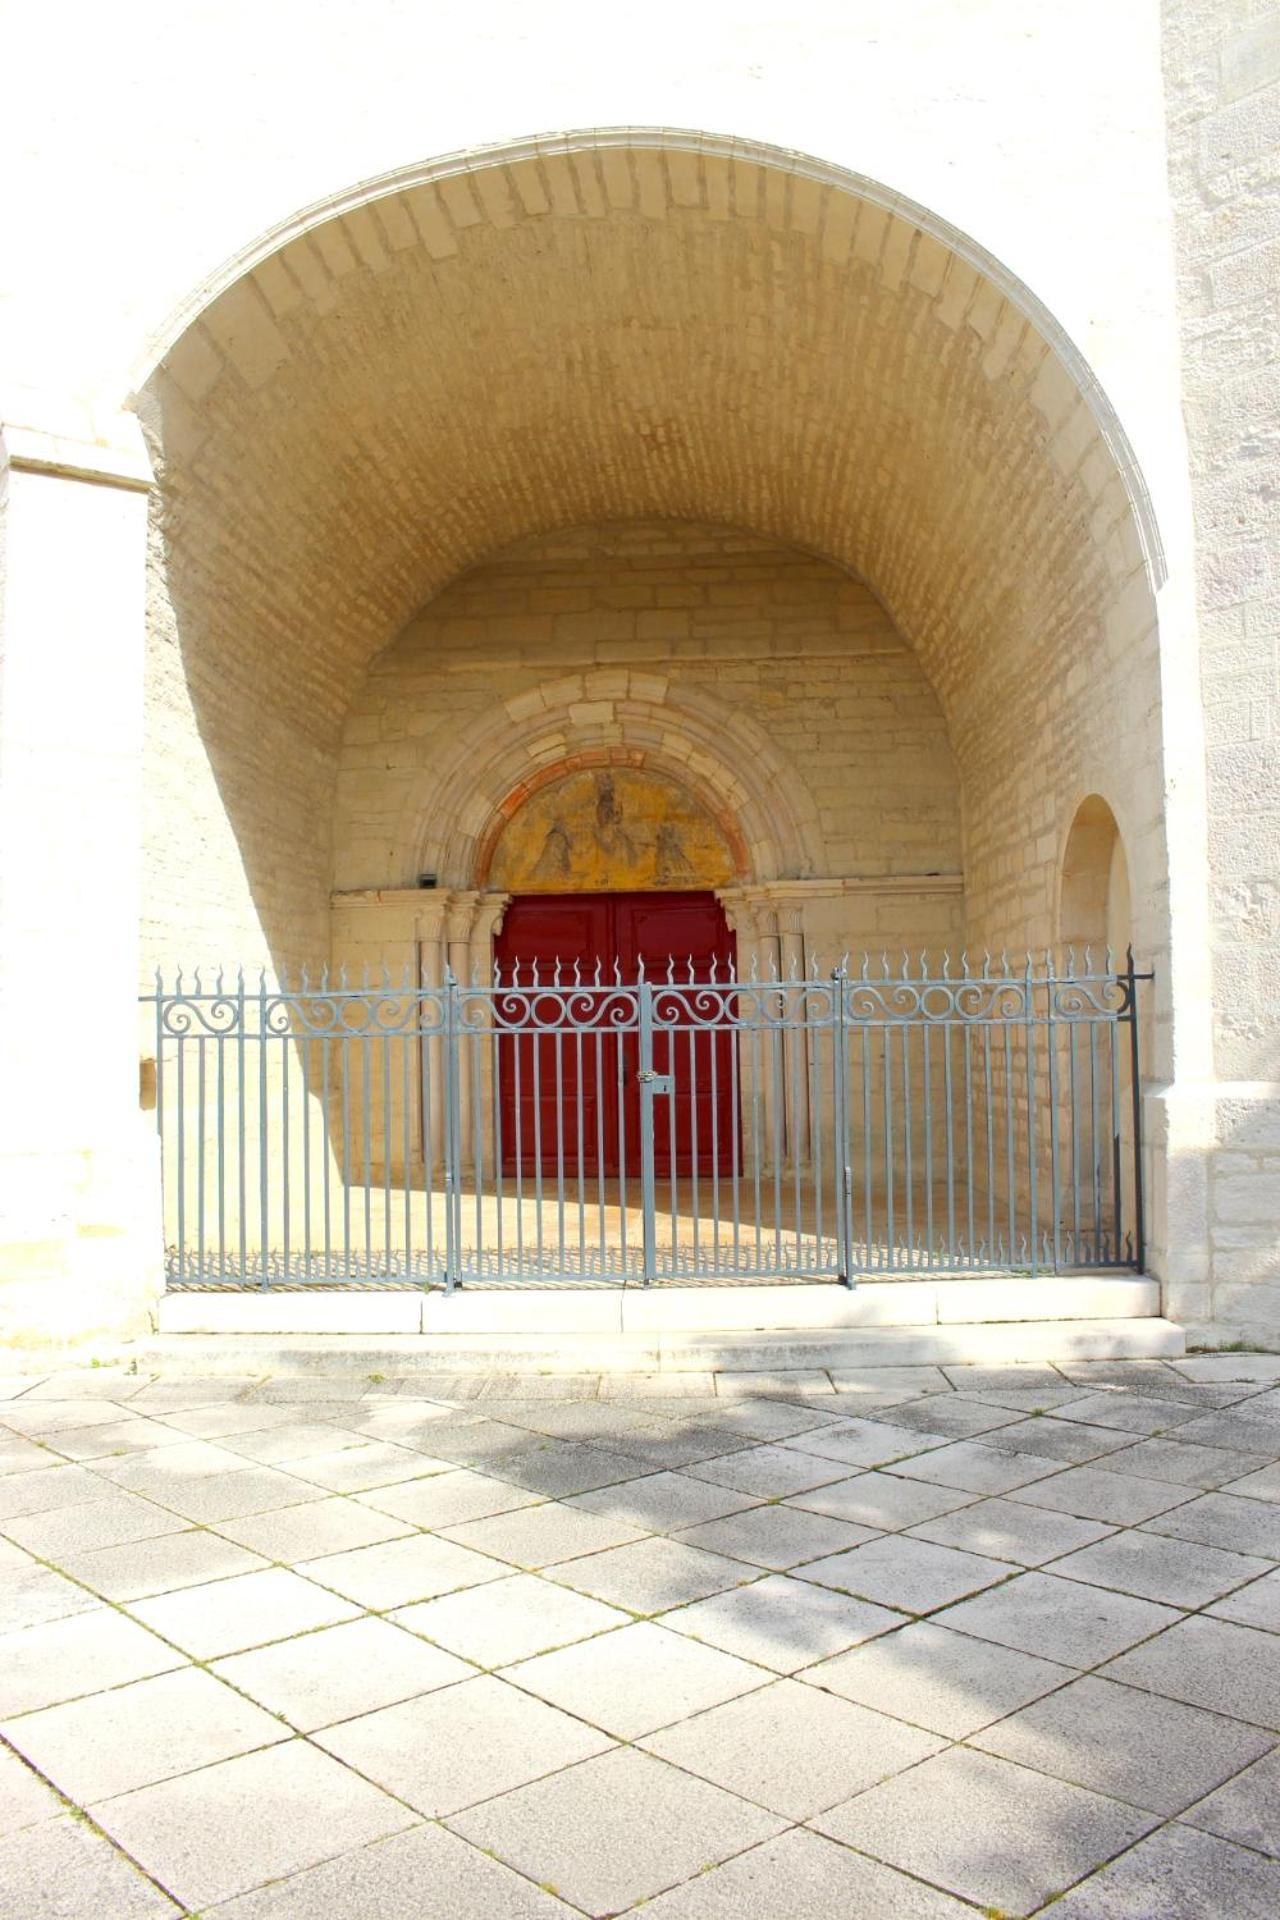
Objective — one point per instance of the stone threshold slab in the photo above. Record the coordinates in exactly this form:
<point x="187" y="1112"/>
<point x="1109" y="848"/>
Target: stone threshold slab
<point x="660" y="1312"/>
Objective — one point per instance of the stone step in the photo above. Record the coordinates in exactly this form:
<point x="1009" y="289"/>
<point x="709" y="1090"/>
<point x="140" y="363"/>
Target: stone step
<point x="724" y="1352"/>
<point x="657" y="1313"/>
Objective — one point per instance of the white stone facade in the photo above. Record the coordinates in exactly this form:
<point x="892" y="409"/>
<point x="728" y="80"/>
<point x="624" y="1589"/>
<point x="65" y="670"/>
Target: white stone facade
<point x="869" y="413"/>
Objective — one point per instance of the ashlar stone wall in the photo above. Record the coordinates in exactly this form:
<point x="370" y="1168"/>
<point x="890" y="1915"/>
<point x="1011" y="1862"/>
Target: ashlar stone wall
<point x="686" y="617"/>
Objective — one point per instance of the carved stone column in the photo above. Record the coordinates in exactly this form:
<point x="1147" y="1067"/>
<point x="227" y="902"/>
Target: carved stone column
<point x="754" y="922"/>
<point x="459" y="923"/>
<point x="797" y="1042"/>
<point x="490" y="908"/>
<point x="431" y="965"/>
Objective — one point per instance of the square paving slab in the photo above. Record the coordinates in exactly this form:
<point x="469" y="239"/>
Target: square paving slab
<point x="508" y="1620"/>
<point x="84" y="1653"/>
<point x="882" y="1500"/>
<point x="662" y="1502"/>
<point x="464" y="1743"/>
<point x="1059" y="1619"/>
<point x="1154" y="1753"/>
<point x="784" y="1750"/>
<point x="539" y="1536"/>
<point x="652" y="1575"/>
<point x="133" y="1735"/>
<point x="937" y="1679"/>
<point x="62" y="1869"/>
<point x="617" y="1830"/>
<point x="1212" y="1664"/>
<point x="800" y="1876"/>
<point x="1120" y="1499"/>
<point x="425" y="1874"/>
<point x="397" y="1572"/>
<point x="1179" y="1874"/>
<point x="1176" y="1571"/>
<point x="1006" y="1530"/>
<point x="913" y="1576"/>
<point x="637" y="1679"/>
<point x="949" y="1822"/>
<point x="319" y="1678"/>
<point x="246" y="1611"/>
<point x="776" y="1536"/>
<point x="231" y="1826"/>
<point x="1257" y="1605"/>
<point x="144" y="1567"/>
<point x="782" y="1623"/>
<point x="1246" y="1809"/>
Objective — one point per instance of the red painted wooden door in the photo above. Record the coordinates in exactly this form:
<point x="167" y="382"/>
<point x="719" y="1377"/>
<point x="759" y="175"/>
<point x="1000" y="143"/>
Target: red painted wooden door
<point x="573" y="1102"/>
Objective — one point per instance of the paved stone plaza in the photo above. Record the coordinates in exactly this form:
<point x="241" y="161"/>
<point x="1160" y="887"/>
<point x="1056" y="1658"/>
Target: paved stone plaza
<point x="908" y="1643"/>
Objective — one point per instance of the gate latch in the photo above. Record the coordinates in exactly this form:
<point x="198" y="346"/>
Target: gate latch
<point x="659" y="1082"/>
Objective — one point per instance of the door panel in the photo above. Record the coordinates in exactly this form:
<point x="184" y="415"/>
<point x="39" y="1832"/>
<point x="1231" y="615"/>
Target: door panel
<point x="549" y="1084"/>
<point x="688" y="935"/>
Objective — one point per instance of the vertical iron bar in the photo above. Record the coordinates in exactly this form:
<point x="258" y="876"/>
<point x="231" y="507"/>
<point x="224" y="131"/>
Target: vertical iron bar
<point x="166" y="1167"/>
<point x="452" y="1143"/>
<point x="386" y="1152"/>
<point x="1011" y="1202"/>
<point x="734" y="1004"/>
<point x="475" y="1035"/>
<point x="867" y="1033"/>
<point x="1055" y="1149"/>
<point x="991" y="1140"/>
<point x="648" y="1187"/>
<point x="927" y="1096"/>
<point x="1074" y="1092"/>
<point x="782" y="1140"/>
<point x="263" y="1165"/>
<point x="408" y="1013"/>
<point x="695" y="1195"/>
<point x="908" y="1169"/>
<point x="1033" y="1197"/>
<point x="967" y="1031"/>
<point x="200" y="1153"/>
<point x="306" y="1151"/>
<point x="346" y="1043"/>
<point x="558" y="1042"/>
<point x="499" y="1145"/>
<point x="949" y="1099"/>
<point x="1117" y="1156"/>
<point x="222" y="1143"/>
<point x="840" y="1152"/>
<point x="890" y="1224"/>
<point x="182" y="1154"/>
<point x="1139" y="1209"/>
<point x="1095" y="1138"/>
<point x="286" y="1008"/>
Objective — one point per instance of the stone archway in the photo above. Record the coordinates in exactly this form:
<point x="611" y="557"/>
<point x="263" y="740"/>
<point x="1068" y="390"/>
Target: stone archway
<point x="608" y="330"/>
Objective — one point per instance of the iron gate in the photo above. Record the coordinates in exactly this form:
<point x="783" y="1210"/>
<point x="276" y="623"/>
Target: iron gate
<point x="762" y="1129"/>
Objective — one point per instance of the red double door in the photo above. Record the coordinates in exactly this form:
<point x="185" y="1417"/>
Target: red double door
<point x="572" y="1100"/>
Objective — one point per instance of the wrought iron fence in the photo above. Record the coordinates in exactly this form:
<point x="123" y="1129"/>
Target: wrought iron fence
<point x="552" y="1128"/>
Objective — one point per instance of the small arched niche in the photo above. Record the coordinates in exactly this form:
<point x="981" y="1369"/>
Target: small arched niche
<point x="1094" y="907"/>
